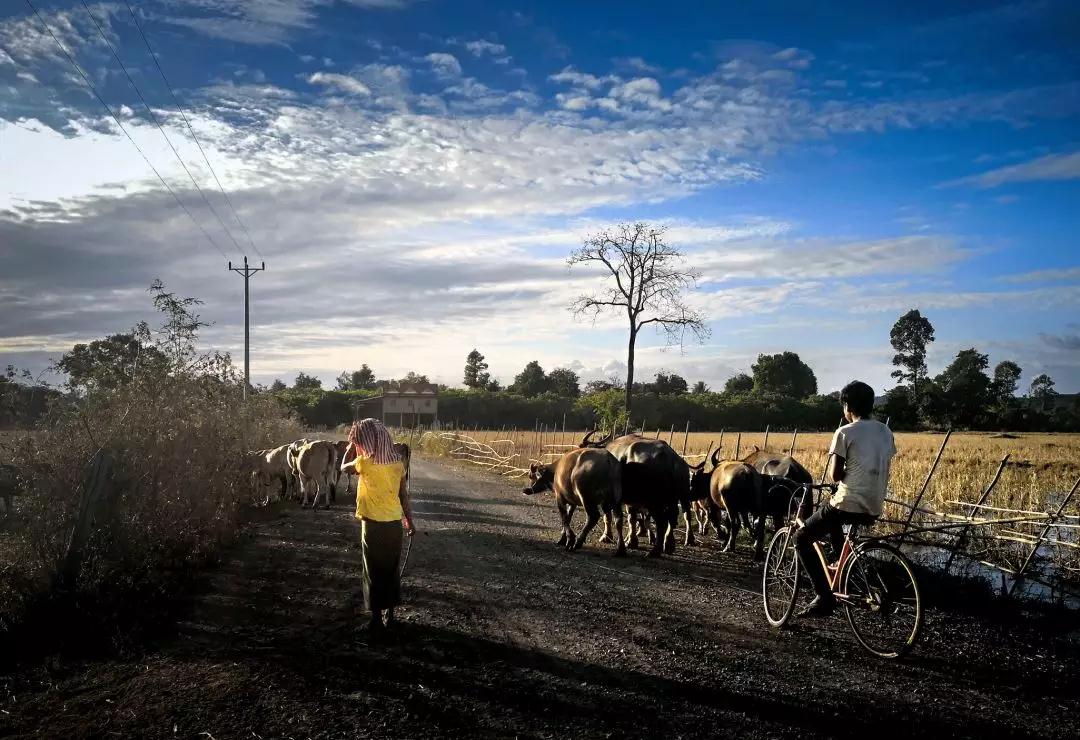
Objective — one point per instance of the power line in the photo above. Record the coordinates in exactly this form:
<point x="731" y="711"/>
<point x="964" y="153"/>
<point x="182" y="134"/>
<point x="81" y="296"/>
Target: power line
<point x="161" y="128"/>
<point x="109" y="110"/>
<point x="180" y="110"/>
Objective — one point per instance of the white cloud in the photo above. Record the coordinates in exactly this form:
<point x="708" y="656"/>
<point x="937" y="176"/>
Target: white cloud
<point x="444" y="64"/>
<point x="480" y="48"/>
<point x="344" y="83"/>
<point x="1063" y="274"/>
<point x="1050" y="167"/>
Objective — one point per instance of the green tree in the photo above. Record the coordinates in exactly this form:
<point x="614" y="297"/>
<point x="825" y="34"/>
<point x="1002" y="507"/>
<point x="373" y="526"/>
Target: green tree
<point x="784" y="374"/>
<point x="180" y="331"/>
<point x="358" y="380"/>
<point x="1042" y="389"/>
<point x="741" y="383"/>
<point x="699" y="389"/>
<point x="111" y="362"/>
<point x="563" y="382"/>
<point x="899" y="408"/>
<point x="599" y="386"/>
<point x="305" y="382"/>
<point x="532" y="381"/>
<point x="1003" y="386"/>
<point x="960" y="395"/>
<point x="493" y="386"/>
<point x="909" y="337"/>
<point x="476" y="375"/>
<point x="646" y="279"/>
<point x="666" y="384"/>
<point x="277" y="386"/>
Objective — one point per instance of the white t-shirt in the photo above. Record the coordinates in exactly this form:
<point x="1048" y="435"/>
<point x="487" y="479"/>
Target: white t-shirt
<point x="867" y="448"/>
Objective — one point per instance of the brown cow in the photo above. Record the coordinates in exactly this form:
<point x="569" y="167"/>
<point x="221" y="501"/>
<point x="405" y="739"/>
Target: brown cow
<point x="590" y="478"/>
<point x="314" y="463"/>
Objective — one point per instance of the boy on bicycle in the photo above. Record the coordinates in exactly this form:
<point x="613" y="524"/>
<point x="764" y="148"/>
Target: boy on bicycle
<point x="859" y="459"/>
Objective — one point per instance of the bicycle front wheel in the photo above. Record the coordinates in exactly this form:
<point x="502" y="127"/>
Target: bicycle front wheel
<point x="882" y="600"/>
<point x="780" y="581"/>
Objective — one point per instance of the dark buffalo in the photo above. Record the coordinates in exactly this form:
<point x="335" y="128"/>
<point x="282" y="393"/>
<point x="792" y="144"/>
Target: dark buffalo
<point x="590" y="478"/>
<point x="735" y="489"/>
<point x="656" y="478"/>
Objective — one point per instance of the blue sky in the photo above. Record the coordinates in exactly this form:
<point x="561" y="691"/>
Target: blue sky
<point x="415" y="174"/>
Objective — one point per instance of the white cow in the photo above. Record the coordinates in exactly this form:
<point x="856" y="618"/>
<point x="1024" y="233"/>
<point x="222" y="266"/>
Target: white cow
<point x="315" y="463"/>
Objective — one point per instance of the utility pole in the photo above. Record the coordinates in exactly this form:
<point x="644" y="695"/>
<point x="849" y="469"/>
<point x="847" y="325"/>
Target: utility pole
<point x="247" y="272"/>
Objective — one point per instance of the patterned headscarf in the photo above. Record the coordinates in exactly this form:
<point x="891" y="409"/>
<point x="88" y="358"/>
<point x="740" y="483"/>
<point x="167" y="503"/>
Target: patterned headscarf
<point x="372" y="440"/>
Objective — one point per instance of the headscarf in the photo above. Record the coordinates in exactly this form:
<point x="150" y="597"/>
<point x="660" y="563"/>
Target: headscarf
<point x="372" y="440"/>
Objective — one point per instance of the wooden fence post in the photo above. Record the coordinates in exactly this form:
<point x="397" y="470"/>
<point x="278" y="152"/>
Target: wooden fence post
<point x="686" y="437"/>
<point x="922" y="491"/>
<point x="93" y="488"/>
<point x="791" y="447"/>
<point x="657" y="432"/>
<point x="765" y="444"/>
<point x="982" y="499"/>
<point x="1019" y="575"/>
<point x="671" y="436"/>
<point x="738" y="445"/>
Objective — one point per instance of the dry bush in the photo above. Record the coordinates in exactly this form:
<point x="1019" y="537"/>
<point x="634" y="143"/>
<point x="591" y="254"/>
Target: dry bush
<point x="174" y="436"/>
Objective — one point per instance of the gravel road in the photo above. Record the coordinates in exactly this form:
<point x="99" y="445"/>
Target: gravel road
<point x="502" y="634"/>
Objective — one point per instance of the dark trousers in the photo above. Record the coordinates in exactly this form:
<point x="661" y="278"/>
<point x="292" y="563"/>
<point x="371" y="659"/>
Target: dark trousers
<point x="380" y="547"/>
<point x="825" y="522"/>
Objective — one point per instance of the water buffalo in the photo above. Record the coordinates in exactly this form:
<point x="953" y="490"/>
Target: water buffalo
<point x="785" y="470"/>
<point x="589" y="478"/>
<point x="657" y="480"/>
<point x="733" y="489"/>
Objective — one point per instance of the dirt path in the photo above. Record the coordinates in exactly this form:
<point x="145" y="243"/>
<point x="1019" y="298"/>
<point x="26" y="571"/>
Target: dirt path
<point x="504" y="635"/>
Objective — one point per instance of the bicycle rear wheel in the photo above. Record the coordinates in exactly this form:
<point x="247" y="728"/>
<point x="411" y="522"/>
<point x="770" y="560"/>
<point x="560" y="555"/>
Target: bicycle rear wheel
<point x="780" y="581"/>
<point x="883" y="604"/>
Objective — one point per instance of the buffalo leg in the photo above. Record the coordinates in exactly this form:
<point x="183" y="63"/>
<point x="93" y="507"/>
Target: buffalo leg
<point x="669" y="537"/>
<point x="689" y="539"/>
<point x="661" y="520"/>
<point x="759" y="540"/>
<point x="592" y="516"/>
<point x="620" y="549"/>
<point x="632" y="536"/>
<point x="565" y="512"/>
<point x="606" y="536"/>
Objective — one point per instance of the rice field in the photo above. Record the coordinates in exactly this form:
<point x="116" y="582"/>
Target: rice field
<point x="1041" y="466"/>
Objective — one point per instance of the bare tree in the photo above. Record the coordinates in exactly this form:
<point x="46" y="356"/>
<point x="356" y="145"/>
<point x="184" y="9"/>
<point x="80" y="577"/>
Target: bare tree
<point x="648" y="282"/>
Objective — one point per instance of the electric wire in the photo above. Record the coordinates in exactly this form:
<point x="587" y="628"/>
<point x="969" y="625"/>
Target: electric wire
<point x="109" y="110"/>
<point x="161" y="128"/>
<point x="183" y="115"/>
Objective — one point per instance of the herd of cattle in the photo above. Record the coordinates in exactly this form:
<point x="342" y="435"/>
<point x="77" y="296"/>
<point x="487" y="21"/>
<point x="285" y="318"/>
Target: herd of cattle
<point x="649" y="479"/>
<point x="304" y="470"/>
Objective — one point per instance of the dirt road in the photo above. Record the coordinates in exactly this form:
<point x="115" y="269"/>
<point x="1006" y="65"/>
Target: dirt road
<point x="505" y="635"/>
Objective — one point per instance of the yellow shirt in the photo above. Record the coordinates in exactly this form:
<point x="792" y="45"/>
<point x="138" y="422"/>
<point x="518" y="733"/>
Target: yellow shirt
<point x="377" y="490"/>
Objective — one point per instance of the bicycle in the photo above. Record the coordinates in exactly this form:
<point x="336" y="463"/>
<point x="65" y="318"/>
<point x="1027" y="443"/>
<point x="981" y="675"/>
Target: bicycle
<point x="873" y="581"/>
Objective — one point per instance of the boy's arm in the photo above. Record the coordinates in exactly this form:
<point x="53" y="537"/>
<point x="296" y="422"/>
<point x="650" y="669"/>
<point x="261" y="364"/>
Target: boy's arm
<point x="837" y="467"/>
<point x="406" y="507"/>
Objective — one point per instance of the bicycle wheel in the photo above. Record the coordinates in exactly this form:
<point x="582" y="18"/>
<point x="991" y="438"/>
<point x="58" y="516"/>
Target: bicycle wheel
<point x="780" y="581"/>
<point x="882" y="604"/>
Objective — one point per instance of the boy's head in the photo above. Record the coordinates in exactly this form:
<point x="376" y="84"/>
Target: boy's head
<point x="858" y="400"/>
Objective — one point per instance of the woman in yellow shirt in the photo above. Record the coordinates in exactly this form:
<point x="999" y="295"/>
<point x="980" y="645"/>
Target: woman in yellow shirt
<point x="382" y="506"/>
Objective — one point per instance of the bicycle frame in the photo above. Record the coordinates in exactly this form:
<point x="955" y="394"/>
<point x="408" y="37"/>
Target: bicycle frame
<point x="833" y="572"/>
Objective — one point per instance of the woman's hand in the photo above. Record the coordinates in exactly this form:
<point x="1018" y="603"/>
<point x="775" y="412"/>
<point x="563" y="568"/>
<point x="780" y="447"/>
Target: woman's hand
<point x="407" y="523"/>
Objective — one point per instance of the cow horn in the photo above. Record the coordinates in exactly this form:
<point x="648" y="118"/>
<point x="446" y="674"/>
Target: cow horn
<point x="586" y="439"/>
<point x="607" y="438"/>
<point x="715" y="459"/>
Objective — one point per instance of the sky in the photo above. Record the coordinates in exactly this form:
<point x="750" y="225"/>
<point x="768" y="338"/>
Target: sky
<point x="415" y="173"/>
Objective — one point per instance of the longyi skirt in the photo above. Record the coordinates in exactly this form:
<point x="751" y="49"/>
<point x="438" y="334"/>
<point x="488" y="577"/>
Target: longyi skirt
<point x="380" y="546"/>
